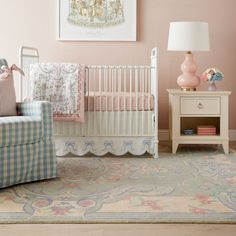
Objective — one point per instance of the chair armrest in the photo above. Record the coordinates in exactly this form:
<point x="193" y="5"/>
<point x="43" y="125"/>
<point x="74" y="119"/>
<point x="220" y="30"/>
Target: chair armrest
<point x="41" y="110"/>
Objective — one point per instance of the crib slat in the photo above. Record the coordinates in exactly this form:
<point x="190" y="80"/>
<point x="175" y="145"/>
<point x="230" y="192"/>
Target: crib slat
<point x="136" y="96"/>
<point x="95" y="103"/>
<point x="125" y="91"/>
<point x="146" y="94"/>
<point x="143" y="91"/>
<point x="100" y="94"/>
<point x="118" y="102"/>
<point x="130" y="98"/>
<point x="112" y="98"/>
<point x="107" y="89"/>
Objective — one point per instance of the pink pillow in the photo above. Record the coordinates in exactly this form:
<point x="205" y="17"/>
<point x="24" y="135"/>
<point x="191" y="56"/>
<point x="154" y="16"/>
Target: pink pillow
<point x="7" y="95"/>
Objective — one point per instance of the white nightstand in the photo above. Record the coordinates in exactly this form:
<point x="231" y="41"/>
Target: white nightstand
<point x="190" y="109"/>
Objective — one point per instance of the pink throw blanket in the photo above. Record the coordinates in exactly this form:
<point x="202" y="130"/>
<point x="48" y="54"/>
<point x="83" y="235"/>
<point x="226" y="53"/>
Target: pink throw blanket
<point x="62" y="84"/>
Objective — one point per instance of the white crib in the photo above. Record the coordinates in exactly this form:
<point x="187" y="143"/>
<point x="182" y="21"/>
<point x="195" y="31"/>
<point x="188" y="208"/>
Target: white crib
<point x="121" y="109"/>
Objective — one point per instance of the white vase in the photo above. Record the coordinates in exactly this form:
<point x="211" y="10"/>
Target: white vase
<point x="212" y="86"/>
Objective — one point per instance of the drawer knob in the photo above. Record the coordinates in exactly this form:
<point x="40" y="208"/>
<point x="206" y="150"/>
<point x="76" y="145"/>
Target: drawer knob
<point x="200" y="105"/>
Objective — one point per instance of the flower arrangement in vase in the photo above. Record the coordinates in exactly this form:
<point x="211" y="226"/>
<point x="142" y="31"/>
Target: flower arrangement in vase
<point x="212" y="75"/>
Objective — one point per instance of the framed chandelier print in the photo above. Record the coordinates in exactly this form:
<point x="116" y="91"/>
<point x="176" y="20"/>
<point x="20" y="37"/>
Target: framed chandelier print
<point x="97" y="20"/>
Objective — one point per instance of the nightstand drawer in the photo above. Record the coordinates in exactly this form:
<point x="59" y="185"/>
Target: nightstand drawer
<point x="200" y="105"/>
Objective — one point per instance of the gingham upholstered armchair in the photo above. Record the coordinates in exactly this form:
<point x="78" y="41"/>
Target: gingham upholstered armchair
<point x="26" y="145"/>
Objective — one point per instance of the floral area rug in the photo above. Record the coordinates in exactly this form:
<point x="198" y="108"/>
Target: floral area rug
<point x="190" y="187"/>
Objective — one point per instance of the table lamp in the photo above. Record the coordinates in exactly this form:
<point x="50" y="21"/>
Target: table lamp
<point x="188" y="36"/>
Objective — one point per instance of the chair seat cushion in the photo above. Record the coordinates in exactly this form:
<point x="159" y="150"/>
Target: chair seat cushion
<point x="17" y="130"/>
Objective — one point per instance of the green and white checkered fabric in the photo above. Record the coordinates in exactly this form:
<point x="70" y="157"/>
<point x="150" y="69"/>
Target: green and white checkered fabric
<point x="27" y="150"/>
<point x="16" y="130"/>
<point x="41" y="110"/>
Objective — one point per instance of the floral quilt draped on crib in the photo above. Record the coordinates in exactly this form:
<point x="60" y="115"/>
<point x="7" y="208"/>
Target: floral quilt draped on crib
<point x="62" y="84"/>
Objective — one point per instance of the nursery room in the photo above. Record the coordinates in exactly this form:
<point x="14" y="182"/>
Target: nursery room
<point x="117" y="117"/>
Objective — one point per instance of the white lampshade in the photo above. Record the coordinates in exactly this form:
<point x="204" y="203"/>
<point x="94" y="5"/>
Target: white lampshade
<point x="188" y="36"/>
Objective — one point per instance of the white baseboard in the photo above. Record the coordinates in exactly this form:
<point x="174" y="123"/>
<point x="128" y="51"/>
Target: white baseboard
<point x="164" y="135"/>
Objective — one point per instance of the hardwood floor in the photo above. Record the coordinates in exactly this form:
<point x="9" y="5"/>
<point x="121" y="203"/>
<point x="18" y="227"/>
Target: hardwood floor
<point x="118" y="230"/>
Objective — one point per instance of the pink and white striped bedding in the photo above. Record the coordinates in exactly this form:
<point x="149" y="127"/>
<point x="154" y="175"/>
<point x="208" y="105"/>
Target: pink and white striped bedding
<point x="97" y="101"/>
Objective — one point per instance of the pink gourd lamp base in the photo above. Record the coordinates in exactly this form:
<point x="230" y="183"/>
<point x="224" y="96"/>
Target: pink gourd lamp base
<point x="188" y="81"/>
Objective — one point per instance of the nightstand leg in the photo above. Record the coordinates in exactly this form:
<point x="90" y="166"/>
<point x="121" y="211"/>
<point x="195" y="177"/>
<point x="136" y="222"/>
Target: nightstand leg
<point x="225" y="145"/>
<point x="174" y="147"/>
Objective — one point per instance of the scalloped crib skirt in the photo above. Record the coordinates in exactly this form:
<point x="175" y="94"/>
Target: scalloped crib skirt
<point x="107" y="132"/>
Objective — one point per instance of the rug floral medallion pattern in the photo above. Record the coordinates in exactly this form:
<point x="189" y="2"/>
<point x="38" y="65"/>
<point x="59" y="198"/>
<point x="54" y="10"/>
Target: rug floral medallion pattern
<point x="193" y="187"/>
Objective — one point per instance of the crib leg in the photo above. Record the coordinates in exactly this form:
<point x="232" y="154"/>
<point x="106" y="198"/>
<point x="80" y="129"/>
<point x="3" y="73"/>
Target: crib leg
<point x="156" y="149"/>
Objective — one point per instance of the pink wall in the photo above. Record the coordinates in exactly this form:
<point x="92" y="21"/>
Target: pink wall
<point x="33" y="22"/>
